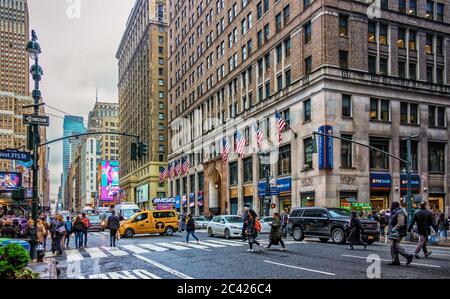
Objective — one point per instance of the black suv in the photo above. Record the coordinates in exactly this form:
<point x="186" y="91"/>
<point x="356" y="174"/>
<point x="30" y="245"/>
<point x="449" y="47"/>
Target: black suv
<point x="326" y="223"/>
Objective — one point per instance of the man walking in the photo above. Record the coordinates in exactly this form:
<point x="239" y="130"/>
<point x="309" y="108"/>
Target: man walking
<point x="423" y="220"/>
<point x="190" y="229"/>
<point x="396" y="232"/>
<point x="87" y="225"/>
<point x="284" y="222"/>
<point x="113" y="225"/>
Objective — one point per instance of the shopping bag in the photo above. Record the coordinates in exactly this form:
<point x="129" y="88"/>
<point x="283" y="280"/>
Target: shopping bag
<point x="433" y="240"/>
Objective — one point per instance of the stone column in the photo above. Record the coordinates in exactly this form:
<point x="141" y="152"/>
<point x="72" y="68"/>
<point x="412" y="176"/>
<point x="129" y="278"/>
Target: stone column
<point x="240" y="171"/>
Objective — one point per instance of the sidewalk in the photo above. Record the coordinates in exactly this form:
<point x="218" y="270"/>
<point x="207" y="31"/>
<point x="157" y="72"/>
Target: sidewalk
<point x="442" y="242"/>
<point x="46" y="270"/>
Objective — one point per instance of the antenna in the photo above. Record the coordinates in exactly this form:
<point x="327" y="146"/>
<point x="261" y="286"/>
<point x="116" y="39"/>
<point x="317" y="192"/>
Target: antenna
<point x="96" y="94"/>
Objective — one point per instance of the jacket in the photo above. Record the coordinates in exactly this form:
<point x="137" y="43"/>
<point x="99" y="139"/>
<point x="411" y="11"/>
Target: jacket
<point x="113" y="222"/>
<point x="356" y="229"/>
<point x="78" y="226"/>
<point x="41" y="233"/>
<point x="397" y="221"/>
<point x="423" y="219"/>
<point x="275" y="229"/>
<point x="284" y="219"/>
<point x="190" y="227"/>
<point x="8" y="231"/>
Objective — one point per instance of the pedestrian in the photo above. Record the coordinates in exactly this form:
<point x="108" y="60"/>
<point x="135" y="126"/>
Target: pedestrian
<point x="59" y="232"/>
<point x="30" y="233"/>
<point x="190" y="229"/>
<point x="251" y="231"/>
<point x="275" y="235"/>
<point x="78" y="228"/>
<point x="183" y="221"/>
<point x="247" y="212"/>
<point x="356" y="230"/>
<point x="423" y="219"/>
<point x="41" y="232"/>
<point x="442" y="226"/>
<point x="284" y="222"/>
<point x="68" y="225"/>
<point x="47" y="231"/>
<point x="87" y="225"/>
<point x="113" y="225"/>
<point x="396" y="232"/>
<point x="8" y="230"/>
<point x="383" y="222"/>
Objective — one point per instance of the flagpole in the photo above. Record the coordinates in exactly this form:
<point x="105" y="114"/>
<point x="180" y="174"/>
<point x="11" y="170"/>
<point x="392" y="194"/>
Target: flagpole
<point x="289" y="125"/>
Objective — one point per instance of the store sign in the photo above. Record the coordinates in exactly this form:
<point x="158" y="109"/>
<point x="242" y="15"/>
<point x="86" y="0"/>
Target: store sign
<point x="380" y="181"/>
<point x="164" y="203"/>
<point x="325" y="148"/>
<point x="283" y="185"/>
<point x="415" y="182"/>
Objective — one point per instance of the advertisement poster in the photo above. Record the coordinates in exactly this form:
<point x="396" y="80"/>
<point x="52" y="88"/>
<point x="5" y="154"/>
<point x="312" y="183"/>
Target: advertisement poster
<point x="10" y="180"/>
<point x="110" y="180"/>
<point x="164" y="203"/>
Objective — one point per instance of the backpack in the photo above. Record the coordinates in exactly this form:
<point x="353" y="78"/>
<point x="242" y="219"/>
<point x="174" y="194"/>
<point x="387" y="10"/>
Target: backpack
<point x="257" y="225"/>
<point x="86" y="223"/>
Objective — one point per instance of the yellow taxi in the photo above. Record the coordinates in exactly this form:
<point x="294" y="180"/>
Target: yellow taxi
<point x="164" y="222"/>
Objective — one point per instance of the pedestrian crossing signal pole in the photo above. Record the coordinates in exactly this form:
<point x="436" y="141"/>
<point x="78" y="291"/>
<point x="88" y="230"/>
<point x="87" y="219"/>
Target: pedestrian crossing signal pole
<point x="408" y="191"/>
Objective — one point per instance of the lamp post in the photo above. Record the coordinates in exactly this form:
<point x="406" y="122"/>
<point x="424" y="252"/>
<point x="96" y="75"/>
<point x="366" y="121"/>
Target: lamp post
<point x="34" y="49"/>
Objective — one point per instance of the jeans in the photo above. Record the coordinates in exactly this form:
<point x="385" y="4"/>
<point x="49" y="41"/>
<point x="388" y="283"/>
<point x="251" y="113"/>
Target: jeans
<point x="85" y="233"/>
<point x="443" y="233"/>
<point x="396" y="249"/>
<point x="112" y="237"/>
<point x="58" y="243"/>
<point x="284" y="230"/>
<point x="68" y="239"/>
<point x="79" y="239"/>
<point x="422" y="244"/>
<point x="193" y="235"/>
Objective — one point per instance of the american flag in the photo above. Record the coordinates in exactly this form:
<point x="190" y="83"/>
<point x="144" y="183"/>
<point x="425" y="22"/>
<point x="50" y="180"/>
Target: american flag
<point x="163" y="175"/>
<point x="225" y="151"/>
<point x="177" y="168"/>
<point x="171" y="171"/>
<point x="240" y="144"/>
<point x="186" y="165"/>
<point x="281" y="125"/>
<point x="259" y="136"/>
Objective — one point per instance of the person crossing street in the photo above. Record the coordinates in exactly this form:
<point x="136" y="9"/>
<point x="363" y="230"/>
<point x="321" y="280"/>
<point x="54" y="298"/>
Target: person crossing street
<point x="190" y="229"/>
<point x="252" y="231"/>
<point x="275" y="235"/>
<point x="87" y="225"/>
<point x="356" y="230"/>
<point x="284" y="222"/>
<point x="396" y="233"/>
<point x="113" y="225"/>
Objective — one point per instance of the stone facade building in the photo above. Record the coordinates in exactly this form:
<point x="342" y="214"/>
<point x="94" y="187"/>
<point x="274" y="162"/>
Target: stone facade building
<point x="374" y="76"/>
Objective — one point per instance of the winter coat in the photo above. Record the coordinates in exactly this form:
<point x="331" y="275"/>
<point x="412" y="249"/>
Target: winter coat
<point x="356" y="229"/>
<point x="30" y="234"/>
<point x="78" y="226"/>
<point x="113" y="222"/>
<point x="190" y="226"/>
<point x="275" y="230"/>
<point x="423" y="219"/>
<point x="8" y="231"/>
<point x="442" y="224"/>
<point x="41" y="233"/>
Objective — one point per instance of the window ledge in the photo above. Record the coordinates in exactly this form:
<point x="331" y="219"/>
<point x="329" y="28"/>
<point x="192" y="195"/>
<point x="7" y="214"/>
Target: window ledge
<point x="437" y="127"/>
<point x="347" y="117"/>
<point x="307" y="170"/>
<point x="348" y="168"/>
<point x="409" y="125"/>
<point x="381" y="121"/>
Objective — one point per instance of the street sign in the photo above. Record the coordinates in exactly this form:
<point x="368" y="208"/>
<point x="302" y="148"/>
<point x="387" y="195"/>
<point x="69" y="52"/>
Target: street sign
<point x="39" y="120"/>
<point x="11" y="154"/>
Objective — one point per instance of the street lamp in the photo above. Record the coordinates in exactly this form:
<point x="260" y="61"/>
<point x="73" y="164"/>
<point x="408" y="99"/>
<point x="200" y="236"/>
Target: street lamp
<point x="34" y="49"/>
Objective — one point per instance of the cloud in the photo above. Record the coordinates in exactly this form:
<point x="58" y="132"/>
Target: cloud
<point x="78" y="55"/>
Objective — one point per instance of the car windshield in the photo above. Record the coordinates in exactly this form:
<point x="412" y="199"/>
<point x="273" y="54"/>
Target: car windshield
<point x="128" y="213"/>
<point x="200" y="219"/>
<point x="94" y="218"/>
<point x="234" y="219"/>
<point x="339" y="213"/>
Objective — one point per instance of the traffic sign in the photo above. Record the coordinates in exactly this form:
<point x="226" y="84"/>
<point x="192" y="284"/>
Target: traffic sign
<point x="11" y="154"/>
<point x="40" y="120"/>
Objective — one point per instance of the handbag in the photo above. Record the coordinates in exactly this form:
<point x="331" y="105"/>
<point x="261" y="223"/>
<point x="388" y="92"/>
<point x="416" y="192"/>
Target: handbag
<point x="61" y="229"/>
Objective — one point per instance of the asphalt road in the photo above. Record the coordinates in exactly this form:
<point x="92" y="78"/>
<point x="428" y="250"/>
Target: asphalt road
<point x="155" y="256"/>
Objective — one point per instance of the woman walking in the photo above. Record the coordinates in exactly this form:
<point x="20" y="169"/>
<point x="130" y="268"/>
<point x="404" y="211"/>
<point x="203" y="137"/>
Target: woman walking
<point x="356" y="229"/>
<point x="442" y="225"/>
<point x="251" y="232"/>
<point x="275" y="235"/>
<point x="190" y="229"/>
<point x="30" y="234"/>
<point x="78" y="227"/>
<point x="68" y="225"/>
<point x="41" y="232"/>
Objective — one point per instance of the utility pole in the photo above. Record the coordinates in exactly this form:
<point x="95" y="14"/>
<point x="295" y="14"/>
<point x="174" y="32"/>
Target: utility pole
<point x="408" y="185"/>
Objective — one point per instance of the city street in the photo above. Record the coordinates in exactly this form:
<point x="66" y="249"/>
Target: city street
<point x="155" y="256"/>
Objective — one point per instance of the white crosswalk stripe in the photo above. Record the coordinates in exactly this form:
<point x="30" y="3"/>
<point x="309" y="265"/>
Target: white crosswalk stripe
<point x="225" y="242"/>
<point x="153" y="247"/>
<point x="115" y="251"/>
<point x="95" y="252"/>
<point x="135" y="249"/>
<point x="173" y="246"/>
<point x="73" y="255"/>
<point x="207" y="243"/>
<point x="193" y="245"/>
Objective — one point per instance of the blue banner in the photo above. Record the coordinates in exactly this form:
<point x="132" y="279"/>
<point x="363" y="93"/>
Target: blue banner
<point x="415" y="182"/>
<point x="12" y="154"/>
<point x="325" y="148"/>
<point x="283" y="185"/>
<point x="380" y="181"/>
<point x="177" y="202"/>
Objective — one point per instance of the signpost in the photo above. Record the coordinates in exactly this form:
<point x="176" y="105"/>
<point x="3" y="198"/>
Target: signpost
<point x="40" y="120"/>
<point x="12" y="154"/>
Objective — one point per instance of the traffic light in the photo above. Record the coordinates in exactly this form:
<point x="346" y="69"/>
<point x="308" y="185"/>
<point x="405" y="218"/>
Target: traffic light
<point x="142" y="149"/>
<point x="134" y="151"/>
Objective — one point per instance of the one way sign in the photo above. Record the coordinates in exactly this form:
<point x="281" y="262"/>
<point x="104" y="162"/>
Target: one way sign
<point x="36" y="120"/>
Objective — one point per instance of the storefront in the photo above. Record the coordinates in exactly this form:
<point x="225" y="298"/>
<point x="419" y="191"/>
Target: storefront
<point x="437" y="202"/>
<point x="380" y="190"/>
<point x="436" y="192"/>
<point x="248" y="196"/>
<point x="234" y="201"/>
<point x="308" y="199"/>
<point x="415" y="188"/>
<point x="164" y="203"/>
<point x="283" y="190"/>
<point x="347" y="198"/>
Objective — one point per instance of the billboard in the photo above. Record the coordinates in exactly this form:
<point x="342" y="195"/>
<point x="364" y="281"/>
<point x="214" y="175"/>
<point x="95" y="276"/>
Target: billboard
<point x="109" y="180"/>
<point x="326" y="148"/>
<point x="10" y="180"/>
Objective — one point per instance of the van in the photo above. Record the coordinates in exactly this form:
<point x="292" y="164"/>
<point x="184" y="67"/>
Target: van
<point x="163" y="222"/>
<point x="126" y="210"/>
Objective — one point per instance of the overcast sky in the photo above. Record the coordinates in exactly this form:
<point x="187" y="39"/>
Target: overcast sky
<point x="78" y="55"/>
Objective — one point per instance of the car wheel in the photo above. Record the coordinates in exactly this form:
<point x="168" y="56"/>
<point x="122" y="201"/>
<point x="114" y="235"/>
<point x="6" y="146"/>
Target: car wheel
<point x="297" y="233"/>
<point x="338" y="236"/>
<point x="210" y="233"/>
<point x="169" y="231"/>
<point x="128" y="233"/>
<point x="227" y="233"/>
<point x="323" y="240"/>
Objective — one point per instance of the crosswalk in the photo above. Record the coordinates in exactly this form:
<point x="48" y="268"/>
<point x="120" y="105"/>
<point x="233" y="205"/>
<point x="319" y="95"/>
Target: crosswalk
<point x="77" y="255"/>
<point x="99" y="233"/>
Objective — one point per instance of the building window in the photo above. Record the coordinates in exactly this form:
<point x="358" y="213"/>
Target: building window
<point x="284" y="161"/>
<point x="346" y="105"/>
<point x="259" y="10"/>
<point x="307" y="110"/>
<point x="267" y="88"/>
<point x="346" y="152"/>
<point x="401" y="38"/>
<point x="409" y="113"/>
<point x="404" y="153"/>
<point x="379" y="160"/>
<point x="263" y="163"/>
<point x="343" y="59"/>
<point x="287" y="47"/>
<point x="384" y="4"/>
<point x="372" y="62"/>
<point x="266" y="32"/>
<point x="278" y="22"/>
<point x="429" y="44"/>
<point x="371" y="32"/>
<point x="436" y="117"/>
<point x="412" y="71"/>
<point x="440" y="12"/>
<point x="430" y="69"/>
<point x="412" y="40"/>
<point x="308" y="154"/>
<point x="430" y="10"/>
<point x="308" y="65"/>
<point x="280" y="82"/>
<point x="306" y="3"/>
<point x="436" y="156"/>
<point x="383" y="34"/>
<point x="343" y="25"/>
<point x="439" y="75"/>
<point x="439" y="45"/>
<point x="259" y="38"/>
<point x="287" y="76"/>
<point x="402" y="6"/>
<point x="379" y="109"/>
<point x="412" y="8"/>
<point x="286" y="14"/>
<point x="307" y="30"/>
<point x="233" y="173"/>
<point x="383" y="66"/>
<point x="402" y="69"/>
<point x="279" y="53"/>
<point x="248" y="169"/>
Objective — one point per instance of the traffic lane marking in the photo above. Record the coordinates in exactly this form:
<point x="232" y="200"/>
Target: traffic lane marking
<point x="135" y="248"/>
<point x="301" y="268"/>
<point x="172" y="246"/>
<point x="115" y="251"/>
<point x="163" y="267"/>
<point x="95" y="252"/>
<point x="134" y="274"/>
<point x="197" y="246"/>
<point x="386" y="260"/>
<point x="73" y="255"/>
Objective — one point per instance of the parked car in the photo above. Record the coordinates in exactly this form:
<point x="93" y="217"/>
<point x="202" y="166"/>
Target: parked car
<point x="226" y="225"/>
<point x="163" y="222"/>
<point x="201" y="222"/>
<point x="327" y="223"/>
<point x="126" y="210"/>
<point x="96" y="223"/>
<point x="265" y="226"/>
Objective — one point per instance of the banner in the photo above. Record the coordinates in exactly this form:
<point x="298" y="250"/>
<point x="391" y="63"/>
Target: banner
<point x="164" y="203"/>
<point x="10" y="180"/>
<point x="325" y="148"/>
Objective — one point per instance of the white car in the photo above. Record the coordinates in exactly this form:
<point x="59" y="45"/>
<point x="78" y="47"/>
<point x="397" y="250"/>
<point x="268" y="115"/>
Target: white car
<point x="226" y="225"/>
<point x="265" y="227"/>
<point x="201" y="222"/>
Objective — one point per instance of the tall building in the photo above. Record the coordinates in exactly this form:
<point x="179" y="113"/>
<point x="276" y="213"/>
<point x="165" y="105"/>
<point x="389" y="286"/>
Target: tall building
<point x="14" y="77"/>
<point x="374" y="76"/>
<point x="143" y="99"/>
<point x="88" y="171"/>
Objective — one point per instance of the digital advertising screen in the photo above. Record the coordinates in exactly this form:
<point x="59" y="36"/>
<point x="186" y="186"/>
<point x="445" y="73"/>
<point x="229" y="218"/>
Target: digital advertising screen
<point x="10" y="180"/>
<point x="110" y="180"/>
